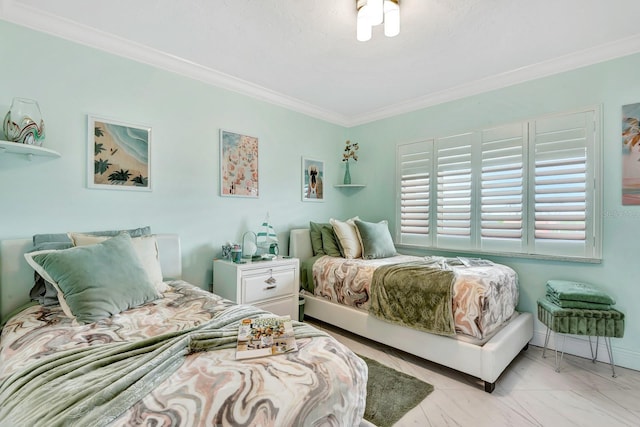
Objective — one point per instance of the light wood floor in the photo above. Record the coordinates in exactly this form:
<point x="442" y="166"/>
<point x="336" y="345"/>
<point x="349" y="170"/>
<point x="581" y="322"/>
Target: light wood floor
<point x="529" y="393"/>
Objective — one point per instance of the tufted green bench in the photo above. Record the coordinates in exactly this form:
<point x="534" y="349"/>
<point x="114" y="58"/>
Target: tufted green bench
<point x="580" y="321"/>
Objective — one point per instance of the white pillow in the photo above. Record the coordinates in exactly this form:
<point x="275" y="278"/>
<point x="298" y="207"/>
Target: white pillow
<point x="146" y="247"/>
<point x="347" y="234"/>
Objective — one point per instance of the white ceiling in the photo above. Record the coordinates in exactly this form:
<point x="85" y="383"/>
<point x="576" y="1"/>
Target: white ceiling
<point x="303" y="54"/>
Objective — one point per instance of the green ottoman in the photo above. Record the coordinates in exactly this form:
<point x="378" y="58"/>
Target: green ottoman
<point x="581" y="321"/>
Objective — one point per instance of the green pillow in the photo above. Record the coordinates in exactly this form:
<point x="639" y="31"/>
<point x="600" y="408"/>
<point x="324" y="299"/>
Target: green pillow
<point x="96" y="281"/>
<point x="376" y="239"/>
<point x="329" y="241"/>
<point x="316" y="237"/>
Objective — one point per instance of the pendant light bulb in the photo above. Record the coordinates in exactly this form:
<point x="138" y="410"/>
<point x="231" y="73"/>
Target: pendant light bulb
<point x="363" y="26"/>
<point x="391" y="18"/>
<point x="376" y="11"/>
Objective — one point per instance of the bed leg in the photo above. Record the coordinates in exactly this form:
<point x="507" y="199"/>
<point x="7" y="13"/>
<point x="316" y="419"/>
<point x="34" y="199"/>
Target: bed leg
<point x="489" y="387"/>
<point x="526" y="347"/>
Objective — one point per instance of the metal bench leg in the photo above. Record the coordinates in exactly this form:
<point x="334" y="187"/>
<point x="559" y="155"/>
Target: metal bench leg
<point x="594" y="357"/>
<point x="546" y="341"/>
<point x="607" y="342"/>
<point x="564" y="339"/>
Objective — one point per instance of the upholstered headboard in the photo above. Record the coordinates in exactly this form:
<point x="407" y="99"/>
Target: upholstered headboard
<point x="16" y="277"/>
<point x="300" y="244"/>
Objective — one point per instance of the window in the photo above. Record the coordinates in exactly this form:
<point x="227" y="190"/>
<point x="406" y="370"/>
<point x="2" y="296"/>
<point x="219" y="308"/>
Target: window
<point x="526" y="188"/>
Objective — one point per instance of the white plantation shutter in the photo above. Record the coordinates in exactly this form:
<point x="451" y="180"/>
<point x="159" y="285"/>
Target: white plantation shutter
<point x="414" y="164"/>
<point x="454" y="191"/>
<point x="502" y="188"/>
<point x="563" y="158"/>
<point x="527" y="188"/>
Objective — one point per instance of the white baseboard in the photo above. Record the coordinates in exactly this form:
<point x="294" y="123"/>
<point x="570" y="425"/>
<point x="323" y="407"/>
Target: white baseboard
<point x="578" y="345"/>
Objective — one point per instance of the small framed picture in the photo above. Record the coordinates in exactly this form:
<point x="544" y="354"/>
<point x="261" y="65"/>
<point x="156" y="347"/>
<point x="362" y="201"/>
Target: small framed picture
<point x="312" y="180"/>
<point x="118" y="155"/>
<point x="239" y="175"/>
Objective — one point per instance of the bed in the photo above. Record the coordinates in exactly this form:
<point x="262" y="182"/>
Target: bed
<point x="483" y="354"/>
<point x="166" y="362"/>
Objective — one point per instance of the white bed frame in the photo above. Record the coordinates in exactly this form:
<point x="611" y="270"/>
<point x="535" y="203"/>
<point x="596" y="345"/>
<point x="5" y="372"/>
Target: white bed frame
<point x="486" y="361"/>
<point x="16" y="277"/>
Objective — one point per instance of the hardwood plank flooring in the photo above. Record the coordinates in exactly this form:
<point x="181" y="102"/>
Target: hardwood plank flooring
<point x="529" y="393"/>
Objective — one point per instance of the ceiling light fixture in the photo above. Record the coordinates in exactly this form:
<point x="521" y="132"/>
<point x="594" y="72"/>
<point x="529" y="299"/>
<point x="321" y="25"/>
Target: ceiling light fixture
<point x="375" y="12"/>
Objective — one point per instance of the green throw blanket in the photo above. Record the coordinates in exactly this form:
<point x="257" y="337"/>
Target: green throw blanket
<point x="414" y="294"/>
<point x="577" y="304"/>
<point x="565" y="290"/>
<point x="92" y="386"/>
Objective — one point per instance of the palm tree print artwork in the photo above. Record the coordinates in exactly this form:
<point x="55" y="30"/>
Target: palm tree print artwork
<point x="101" y="166"/>
<point x="120" y="155"/>
<point x="238" y="165"/>
<point x="631" y="154"/>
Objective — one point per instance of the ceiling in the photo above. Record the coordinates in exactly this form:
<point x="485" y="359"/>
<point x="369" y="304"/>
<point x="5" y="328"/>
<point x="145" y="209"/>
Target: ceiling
<point x="303" y="54"/>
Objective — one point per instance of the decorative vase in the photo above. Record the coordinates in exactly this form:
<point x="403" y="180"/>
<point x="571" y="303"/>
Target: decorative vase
<point x="347" y="175"/>
<point x="23" y="123"/>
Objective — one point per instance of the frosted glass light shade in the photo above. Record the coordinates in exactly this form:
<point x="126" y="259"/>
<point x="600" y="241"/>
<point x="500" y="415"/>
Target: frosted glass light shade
<point x="363" y="26"/>
<point x="376" y="11"/>
<point x="391" y="18"/>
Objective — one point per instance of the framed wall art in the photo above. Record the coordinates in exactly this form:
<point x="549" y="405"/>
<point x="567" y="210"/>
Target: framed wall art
<point x="239" y="174"/>
<point x="312" y="180"/>
<point x="119" y="155"/>
<point x="631" y="154"/>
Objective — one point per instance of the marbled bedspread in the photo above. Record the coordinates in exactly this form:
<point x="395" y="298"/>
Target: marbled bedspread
<point x="484" y="294"/>
<point x="323" y="383"/>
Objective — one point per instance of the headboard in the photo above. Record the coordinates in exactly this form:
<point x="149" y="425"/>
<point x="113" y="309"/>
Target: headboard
<point x="16" y="277"/>
<point x="300" y="244"/>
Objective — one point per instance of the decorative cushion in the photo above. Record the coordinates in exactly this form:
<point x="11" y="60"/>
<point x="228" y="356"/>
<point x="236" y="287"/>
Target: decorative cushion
<point x="330" y="242"/>
<point x="376" y="239"/>
<point x="39" y="239"/>
<point x="347" y="237"/>
<point x="146" y="248"/>
<point x="42" y="291"/>
<point x="89" y="287"/>
<point x="315" y="230"/>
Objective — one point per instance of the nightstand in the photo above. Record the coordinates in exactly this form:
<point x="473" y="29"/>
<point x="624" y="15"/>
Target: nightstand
<point x="271" y="285"/>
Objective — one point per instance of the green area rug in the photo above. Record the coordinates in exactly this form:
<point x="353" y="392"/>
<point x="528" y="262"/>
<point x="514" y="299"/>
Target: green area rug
<point x="391" y="394"/>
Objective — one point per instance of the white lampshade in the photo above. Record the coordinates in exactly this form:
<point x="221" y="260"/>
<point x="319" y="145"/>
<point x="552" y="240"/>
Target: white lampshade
<point x="363" y="26"/>
<point x="376" y="11"/>
<point x="391" y="18"/>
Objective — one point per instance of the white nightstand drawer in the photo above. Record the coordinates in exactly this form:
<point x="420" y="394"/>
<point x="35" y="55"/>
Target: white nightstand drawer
<point x="273" y="284"/>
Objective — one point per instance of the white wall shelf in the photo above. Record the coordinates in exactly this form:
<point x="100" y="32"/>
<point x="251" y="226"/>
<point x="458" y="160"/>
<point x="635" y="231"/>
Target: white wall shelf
<point x="350" y="185"/>
<point x="7" y="147"/>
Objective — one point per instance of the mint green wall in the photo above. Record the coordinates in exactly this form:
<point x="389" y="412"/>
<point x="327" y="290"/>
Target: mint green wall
<point x="611" y="85"/>
<point x="70" y="81"/>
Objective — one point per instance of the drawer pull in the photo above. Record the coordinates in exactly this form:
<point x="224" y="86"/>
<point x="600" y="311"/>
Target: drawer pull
<point x="270" y="287"/>
<point x="270" y="280"/>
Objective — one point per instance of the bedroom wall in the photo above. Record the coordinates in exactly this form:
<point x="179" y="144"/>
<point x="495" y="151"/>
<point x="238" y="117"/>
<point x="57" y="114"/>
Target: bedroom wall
<point x="70" y="81"/>
<point x="611" y="84"/>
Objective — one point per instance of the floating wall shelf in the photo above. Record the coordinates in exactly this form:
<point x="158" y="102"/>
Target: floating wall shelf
<point x="7" y="147"/>
<point x="350" y="185"/>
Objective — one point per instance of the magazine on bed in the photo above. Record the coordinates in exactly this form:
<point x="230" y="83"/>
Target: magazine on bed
<point x="265" y="337"/>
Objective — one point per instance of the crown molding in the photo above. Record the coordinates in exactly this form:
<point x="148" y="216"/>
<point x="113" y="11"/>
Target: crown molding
<point x="39" y="20"/>
<point x="601" y="53"/>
